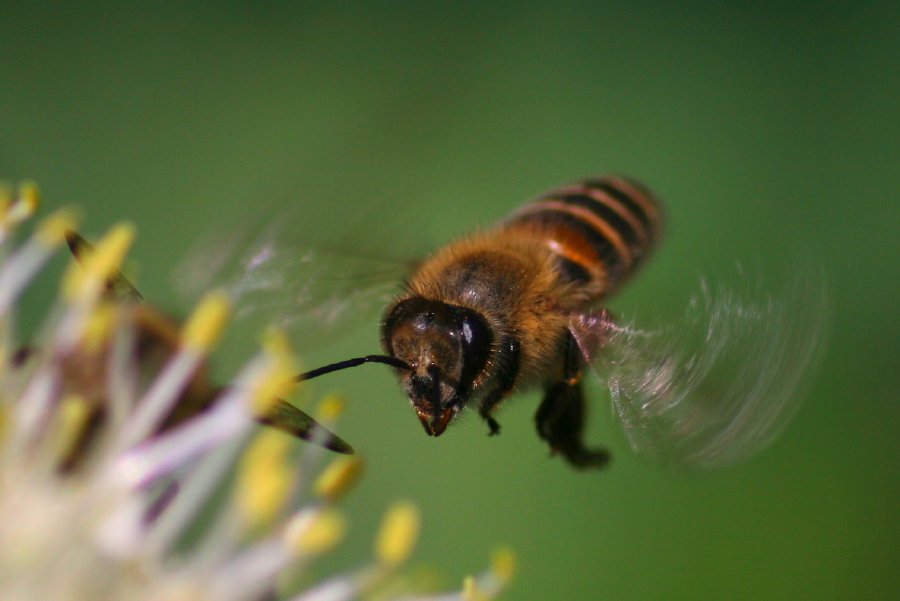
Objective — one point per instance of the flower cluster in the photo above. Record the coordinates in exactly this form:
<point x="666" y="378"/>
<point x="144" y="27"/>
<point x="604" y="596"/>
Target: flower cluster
<point x="112" y="486"/>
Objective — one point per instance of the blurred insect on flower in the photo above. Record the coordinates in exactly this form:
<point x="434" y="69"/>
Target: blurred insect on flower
<point x="104" y="471"/>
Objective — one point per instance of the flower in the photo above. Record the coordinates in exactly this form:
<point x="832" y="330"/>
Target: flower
<point x="114" y="447"/>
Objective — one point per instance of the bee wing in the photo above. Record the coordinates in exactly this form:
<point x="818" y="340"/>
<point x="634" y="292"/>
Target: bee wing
<point x="719" y="384"/>
<point x="274" y="277"/>
<point x="283" y="416"/>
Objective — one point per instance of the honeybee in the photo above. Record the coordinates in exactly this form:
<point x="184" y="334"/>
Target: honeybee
<point x="523" y="304"/>
<point x="157" y="338"/>
<point x="493" y="312"/>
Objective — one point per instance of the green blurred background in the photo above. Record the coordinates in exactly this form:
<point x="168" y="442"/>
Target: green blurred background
<point x="766" y="127"/>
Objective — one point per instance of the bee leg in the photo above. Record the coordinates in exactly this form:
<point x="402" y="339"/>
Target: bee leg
<point x="560" y="421"/>
<point x="493" y="424"/>
<point x="561" y="416"/>
<point x="510" y="358"/>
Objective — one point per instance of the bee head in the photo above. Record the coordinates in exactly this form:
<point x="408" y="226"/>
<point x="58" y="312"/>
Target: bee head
<point x="445" y="347"/>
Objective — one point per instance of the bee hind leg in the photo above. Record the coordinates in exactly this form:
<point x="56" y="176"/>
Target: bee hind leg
<point x="560" y="422"/>
<point x="561" y="416"/>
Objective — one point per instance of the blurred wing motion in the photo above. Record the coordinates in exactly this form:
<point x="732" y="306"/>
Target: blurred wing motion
<point x="159" y="331"/>
<point x="274" y="276"/>
<point x="720" y="384"/>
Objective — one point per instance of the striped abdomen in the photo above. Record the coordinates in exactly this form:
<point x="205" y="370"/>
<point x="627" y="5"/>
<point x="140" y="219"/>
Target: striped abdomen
<point x="601" y="229"/>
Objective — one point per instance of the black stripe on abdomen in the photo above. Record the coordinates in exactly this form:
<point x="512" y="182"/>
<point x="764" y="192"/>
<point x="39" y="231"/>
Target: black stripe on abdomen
<point x="609" y="216"/>
<point x="577" y="239"/>
<point x="573" y="271"/>
<point x="641" y="204"/>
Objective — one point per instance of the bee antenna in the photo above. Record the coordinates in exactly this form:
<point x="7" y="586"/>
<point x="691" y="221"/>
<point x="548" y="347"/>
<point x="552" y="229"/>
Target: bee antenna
<point x="327" y="369"/>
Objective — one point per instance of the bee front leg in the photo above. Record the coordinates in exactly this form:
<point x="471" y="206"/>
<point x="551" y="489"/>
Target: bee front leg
<point x="561" y="416"/>
<point x="509" y="357"/>
<point x="484" y="412"/>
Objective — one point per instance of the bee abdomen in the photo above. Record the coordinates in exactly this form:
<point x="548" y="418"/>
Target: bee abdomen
<point x="599" y="228"/>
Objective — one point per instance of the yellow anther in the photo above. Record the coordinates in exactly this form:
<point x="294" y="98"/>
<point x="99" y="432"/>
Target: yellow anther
<point x="503" y="564"/>
<point x="470" y="590"/>
<point x="15" y="211"/>
<point x="315" y="533"/>
<point x="330" y="408"/>
<point x="6" y="197"/>
<point x="205" y="325"/>
<point x="71" y="419"/>
<point x="276" y="343"/>
<point x="338" y="477"/>
<point x="30" y="197"/>
<point x="51" y="231"/>
<point x="25" y="205"/>
<point x="398" y="535"/>
<point x="276" y="383"/>
<point x="265" y="477"/>
<point x="278" y="380"/>
<point x="100" y="326"/>
<point x="88" y="281"/>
